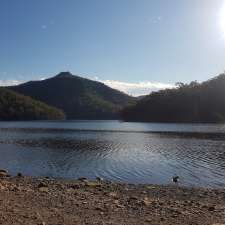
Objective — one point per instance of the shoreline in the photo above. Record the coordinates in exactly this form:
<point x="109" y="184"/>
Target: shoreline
<point x="29" y="200"/>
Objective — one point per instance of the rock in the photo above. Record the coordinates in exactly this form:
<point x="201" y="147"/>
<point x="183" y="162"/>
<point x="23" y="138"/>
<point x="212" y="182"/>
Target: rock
<point x="146" y="202"/>
<point x="2" y="187"/>
<point x="42" y="223"/>
<point x="92" y="184"/>
<point x="211" y="208"/>
<point x="83" y="179"/>
<point x="150" y="187"/>
<point x="3" y="173"/>
<point x="75" y="186"/>
<point x="99" y="208"/>
<point x="15" y="188"/>
<point x="42" y="184"/>
<point x="134" y="198"/>
<point x="43" y="189"/>
<point x="113" y="195"/>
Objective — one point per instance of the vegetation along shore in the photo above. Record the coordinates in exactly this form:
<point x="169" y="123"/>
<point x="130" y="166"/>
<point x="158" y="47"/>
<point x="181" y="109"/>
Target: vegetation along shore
<point x="26" y="200"/>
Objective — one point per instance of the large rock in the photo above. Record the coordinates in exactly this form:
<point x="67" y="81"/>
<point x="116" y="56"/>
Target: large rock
<point x="4" y="173"/>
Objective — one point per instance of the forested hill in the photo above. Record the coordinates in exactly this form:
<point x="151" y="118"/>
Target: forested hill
<point x="14" y="106"/>
<point x="194" y="102"/>
<point x="78" y="97"/>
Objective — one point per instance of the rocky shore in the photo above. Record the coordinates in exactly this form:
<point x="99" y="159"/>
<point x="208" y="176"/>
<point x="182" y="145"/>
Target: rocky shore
<point x="44" y="201"/>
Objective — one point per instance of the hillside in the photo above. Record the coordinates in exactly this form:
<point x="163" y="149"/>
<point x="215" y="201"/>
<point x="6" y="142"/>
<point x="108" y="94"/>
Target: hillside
<point x="194" y="102"/>
<point x="14" y="106"/>
<point x="78" y="97"/>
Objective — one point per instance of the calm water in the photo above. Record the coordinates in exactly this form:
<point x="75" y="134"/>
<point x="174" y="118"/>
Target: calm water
<point x="126" y="152"/>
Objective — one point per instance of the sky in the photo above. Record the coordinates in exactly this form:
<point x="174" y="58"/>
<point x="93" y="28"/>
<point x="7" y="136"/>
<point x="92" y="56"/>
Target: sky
<point x="134" y="45"/>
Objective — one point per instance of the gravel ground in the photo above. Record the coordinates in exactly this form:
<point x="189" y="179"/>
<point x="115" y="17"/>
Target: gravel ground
<point x="28" y="201"/>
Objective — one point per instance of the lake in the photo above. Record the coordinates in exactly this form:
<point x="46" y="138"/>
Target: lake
<point x="114" y="150"/>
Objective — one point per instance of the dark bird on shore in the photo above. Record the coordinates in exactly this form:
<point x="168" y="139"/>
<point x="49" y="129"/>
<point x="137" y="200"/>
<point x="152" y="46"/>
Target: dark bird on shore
<point x="100" y="179"/>
<point x="19" y="175"/>
<point x="175" y="179"/>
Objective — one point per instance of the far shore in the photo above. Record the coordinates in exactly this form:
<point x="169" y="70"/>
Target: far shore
<point x="28" y="200"/>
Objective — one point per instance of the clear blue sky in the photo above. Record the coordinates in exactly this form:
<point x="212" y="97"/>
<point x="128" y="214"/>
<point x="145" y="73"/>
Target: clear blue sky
<point x="126" y="40"/>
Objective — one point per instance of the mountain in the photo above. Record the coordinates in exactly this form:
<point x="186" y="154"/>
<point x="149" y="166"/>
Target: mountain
<point x="78" y="97"/>
<point x="194" y="102"/>
<point x="14" y="106"/>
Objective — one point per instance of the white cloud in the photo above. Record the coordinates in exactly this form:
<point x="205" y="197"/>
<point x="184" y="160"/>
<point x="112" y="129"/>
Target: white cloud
<point x="9" y="82"/>
<point x="136" y="89"/>
<point x="15" y="82"/>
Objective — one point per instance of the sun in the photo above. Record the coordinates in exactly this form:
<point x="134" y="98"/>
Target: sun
<point x="222" y="19"/>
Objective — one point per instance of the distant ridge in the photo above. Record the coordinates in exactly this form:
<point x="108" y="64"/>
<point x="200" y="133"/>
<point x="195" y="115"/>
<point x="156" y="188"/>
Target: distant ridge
<point x="188" y="103"/>
<point x="78" y="97"/>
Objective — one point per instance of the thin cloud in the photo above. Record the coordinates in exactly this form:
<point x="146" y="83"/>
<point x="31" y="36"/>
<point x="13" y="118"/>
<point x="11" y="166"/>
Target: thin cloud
<point x="155" y="20"/>
<point x="44" y="27"/>
<point x="136" y="89"/>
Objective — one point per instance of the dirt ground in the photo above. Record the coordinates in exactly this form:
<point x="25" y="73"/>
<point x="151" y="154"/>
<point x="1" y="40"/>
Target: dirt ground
<point x="28" y="201"/>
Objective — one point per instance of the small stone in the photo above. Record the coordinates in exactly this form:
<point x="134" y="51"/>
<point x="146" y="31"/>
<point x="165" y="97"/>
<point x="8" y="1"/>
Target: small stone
<point x="211" y="208"/>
